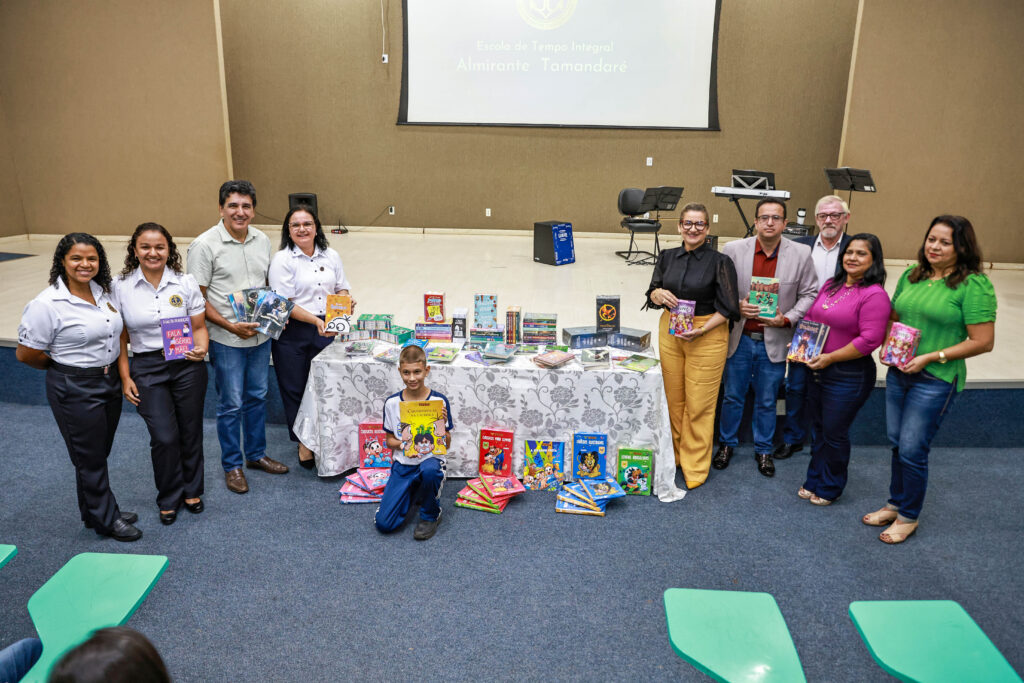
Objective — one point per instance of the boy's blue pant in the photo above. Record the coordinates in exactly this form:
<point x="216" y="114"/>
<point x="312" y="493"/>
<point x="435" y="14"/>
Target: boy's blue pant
<point x="397" y="497"/>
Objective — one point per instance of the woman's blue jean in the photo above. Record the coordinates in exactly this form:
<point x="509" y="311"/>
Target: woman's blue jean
<point x="915" y="406"/>
<point x="835" y="396"/>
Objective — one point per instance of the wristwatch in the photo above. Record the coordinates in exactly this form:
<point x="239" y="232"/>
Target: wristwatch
<point x="942" y="357"/>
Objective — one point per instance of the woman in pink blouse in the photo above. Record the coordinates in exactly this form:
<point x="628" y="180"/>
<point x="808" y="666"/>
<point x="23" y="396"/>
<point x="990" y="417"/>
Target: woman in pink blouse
<point x="856" y="308"/>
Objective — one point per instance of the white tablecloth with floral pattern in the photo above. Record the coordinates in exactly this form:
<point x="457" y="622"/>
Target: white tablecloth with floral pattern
<point x="535" y="403"/>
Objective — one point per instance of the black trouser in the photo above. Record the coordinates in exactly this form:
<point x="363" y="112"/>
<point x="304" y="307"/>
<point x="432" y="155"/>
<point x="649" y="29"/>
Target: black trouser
<point x="292" y="354"/>
<point x="87" y="409"/>
<point x="171" y="397"/>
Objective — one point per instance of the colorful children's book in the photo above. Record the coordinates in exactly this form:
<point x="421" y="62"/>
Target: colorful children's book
<point x="808" y="341"/>
<point x="423" y="427"/>
<point x="251" y="299"/>
<point x="764" y="291"/>
<point x="638" y="363"/>
<point x="485" y="311"/>
<point x="543" y="464"/>
<point x="681" y="318"/>
<point x="271" y="313"/>
<point x="576" y="490"/>
<point x="360" y="348"/>
<point x="900" y="346"/>
<point x="607" y="307"/>
<point x="602" y="488"/>
<point x="345" y="498"/>
<point x="360" y="483"/>
<point x="375" y="478"/>
<point x="572" y="500"/>
<point x="553" y="359"/>
<point x="501" y="487"/>
<point x="499" y="351"/>
<point x="339" y="313"/>
<point x="177" y="337"/>
<point x="479" y="489"/>
<point x="496" y="452"/>
<point x="562" y="505"/>
<point x="433" y="307"/>
<point x="477" y="357"/>
<point x="635" y="469"/>
<point x="388" y="355"/>
<point x="373" y="444"/>
<point x="442" y="354"/>
<point x="350" y="489"/>
<point x="497" y="508"/>
<point x="472" y="496"/>
<point x="588" y="454"/>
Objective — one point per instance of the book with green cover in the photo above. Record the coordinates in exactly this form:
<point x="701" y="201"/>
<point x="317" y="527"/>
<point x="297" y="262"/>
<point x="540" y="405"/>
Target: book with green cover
<point x="638" y="363"/>
<point x="635" y="470"/>
<point x="764" y="292"/>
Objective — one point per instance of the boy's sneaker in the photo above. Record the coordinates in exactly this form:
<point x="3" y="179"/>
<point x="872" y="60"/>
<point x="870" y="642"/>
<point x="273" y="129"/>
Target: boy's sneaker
<point x="425" y="529"/>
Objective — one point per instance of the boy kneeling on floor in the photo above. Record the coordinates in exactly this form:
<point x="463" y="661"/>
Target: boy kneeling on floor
<point x="424" y="470"/>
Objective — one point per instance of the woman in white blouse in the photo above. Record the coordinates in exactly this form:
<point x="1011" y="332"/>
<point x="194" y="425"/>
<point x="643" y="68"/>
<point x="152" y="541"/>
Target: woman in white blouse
<point x="72" y="330"/>
<point x="169" y="394"/>
<point x="306" y="271"/>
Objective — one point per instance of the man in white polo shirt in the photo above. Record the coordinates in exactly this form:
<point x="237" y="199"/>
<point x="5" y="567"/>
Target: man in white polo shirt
<point x="229" y="257"/>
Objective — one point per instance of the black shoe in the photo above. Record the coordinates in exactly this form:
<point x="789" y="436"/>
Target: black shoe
<point x="195" y="508"/>
<point x="722" y="457"/>
<point x="122" y="531"/>
<point x="764" y="464"/>
<point x="167" y="518"/>
<point x="425" y="529"/>
<point x="786" y="450"/>
<point x="129" y="517"/>
<point x="307" y="464"/>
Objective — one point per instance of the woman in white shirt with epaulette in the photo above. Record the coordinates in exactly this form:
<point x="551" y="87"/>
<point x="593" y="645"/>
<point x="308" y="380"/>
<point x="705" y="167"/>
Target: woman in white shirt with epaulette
<point x="169" y="394"/>
<point x="306" y="271"/>
<point x="72" y="329"/>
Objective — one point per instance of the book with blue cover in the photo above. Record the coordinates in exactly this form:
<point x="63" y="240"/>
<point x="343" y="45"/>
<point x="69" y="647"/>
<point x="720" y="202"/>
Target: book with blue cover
<point x="602" y="488"/>
<point x="588" y="454"/>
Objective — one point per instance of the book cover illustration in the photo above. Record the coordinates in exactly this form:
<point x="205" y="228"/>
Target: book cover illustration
<point x="442" y="354"/>
<point x="681" y="318"/>
<point x="602" y="488"/>
<point x="635" y="470"/>
<point x="576" y="502"/>
<point x="338" y="314"/>
<point x="576" y="490"/>
<point x="363" y="347"/>
<point x="360" y="483"/>
<point x="271" y="313"/>
<point x="497" y="508"/>
<point x="433" y="307"/>
<point x="472" y="496"/>
<point x="477" y="487"/>
<point x="496" y="452"/>
<point x="485" y="311"/>
<point x="764" y="292"/>
<point x="543" y="464"/>
<point x="423" y="427"/>
<point x="562" y="505"/>
<point x="373" y="444"/>
<point x="251" y="299"/>
<point x="808" y="341"/>
<point x="237" y="301"/>
<point x="177" y="337"/>
<point x="588" y="454"/>
<point x="376" y="479"/>
<point x="638" y="363"/>
<point x="499" y="351"/>
<point x="501" y="487"/>
<point x="388" y="355"/>
<point x="607" y="307"/>
<point x="900" y="346"/>
<point x="350" y="489"/>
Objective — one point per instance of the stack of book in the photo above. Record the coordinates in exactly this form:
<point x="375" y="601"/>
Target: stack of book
<point x="263" y="306"/>
<point x="442" y="353"/>
<point x="395" y="334"/>
<point x="595" y="359"/>
<point x="498" y="351"/>
<point x="513" y="325"/>
<point x="434" y="331"/>
<point x="588" y="496"/>
<point x="388" y="355"/>
<point x="365" y="486"/>
<point x="375" y="322"/>
<point x="360" y="348"/>
<point x="483" y="335"/>
<point x="540" y="328"/>
<point x="489" y="493"/>
<point x="553" y="359"/>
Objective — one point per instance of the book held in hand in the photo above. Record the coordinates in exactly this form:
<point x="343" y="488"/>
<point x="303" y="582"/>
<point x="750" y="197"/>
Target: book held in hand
<point x="177" y="337"/>
<point x="900" y="346"/>
<point x="764" y="293"/>
<point x="423" y="427"/>
<point x="271" y="313"/>
<point x="338" y="314"/>
<point x="681" y="318"/>
<point x="808" y="341"/>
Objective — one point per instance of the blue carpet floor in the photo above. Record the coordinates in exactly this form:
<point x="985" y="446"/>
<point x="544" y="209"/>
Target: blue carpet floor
<point x="286" y="584"/>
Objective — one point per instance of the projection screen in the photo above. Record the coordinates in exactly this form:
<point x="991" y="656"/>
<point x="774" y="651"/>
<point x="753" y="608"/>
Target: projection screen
<point x="586" y="63"/>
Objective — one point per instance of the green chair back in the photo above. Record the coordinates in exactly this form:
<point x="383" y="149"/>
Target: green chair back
<point x="929" y="640"/>
<point x="732" y="635"/>
<point x="6" y="553"/>
<point x="91" y="591"/>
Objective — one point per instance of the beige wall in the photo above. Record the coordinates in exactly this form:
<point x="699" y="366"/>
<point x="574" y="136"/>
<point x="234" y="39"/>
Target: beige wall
<point x="313" y="109"/>
<point x="12" y="213"/>
<point x="114" y="114"/>
<point x="935" y="114"/>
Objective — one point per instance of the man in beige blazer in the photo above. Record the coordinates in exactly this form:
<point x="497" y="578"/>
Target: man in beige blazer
<point x="757" y="346"/>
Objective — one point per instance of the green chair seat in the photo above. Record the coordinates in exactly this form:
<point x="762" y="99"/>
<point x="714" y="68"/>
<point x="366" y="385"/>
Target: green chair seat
<point x="928" y="640"/>
<point x="6" y="553"/>
<point x="91" y="591"/>
<point x="732" y="635"/>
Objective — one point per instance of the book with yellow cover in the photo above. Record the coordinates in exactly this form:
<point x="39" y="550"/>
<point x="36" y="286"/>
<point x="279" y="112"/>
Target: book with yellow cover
<point x="423" y="427"/>
<point x="339" y="313"/>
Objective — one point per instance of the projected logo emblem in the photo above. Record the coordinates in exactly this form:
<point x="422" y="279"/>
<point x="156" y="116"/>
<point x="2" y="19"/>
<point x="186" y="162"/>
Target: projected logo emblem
<point x="546" y="14"/>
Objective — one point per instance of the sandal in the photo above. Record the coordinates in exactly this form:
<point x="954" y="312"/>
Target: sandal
<point x="880" y="517"/>
<point x="804" y="493"/>
<point x="816" y="500"/>
<point x="898" y="532"/>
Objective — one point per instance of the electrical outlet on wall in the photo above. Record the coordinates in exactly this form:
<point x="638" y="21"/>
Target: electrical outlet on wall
<point x="384" y="58"/>
<point x="487" y="212"/>
<point x="391" y="210"/>
<point x="714" y="219"/>
<point x="650" y="161"/>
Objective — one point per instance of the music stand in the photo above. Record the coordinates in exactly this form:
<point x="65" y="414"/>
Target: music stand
<point x="753" y="180"/>
<point x="851" y="179"/>
<point x="658" y="199"/>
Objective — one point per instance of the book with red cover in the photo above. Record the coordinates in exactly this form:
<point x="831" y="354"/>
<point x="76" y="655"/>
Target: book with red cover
<point x="478" y="488"/>
<point x="501" y="487"/>
<point x="901" y="345"/>
<point x="433" y="307"/>
<point x="373" y="445"/>
<point x="470" y="505"/>
<point x="496" y="452"/>
<point x="351" y="489"/>
<point x="472" y="496"/>
<point x="376" y="478"/>
<point x="357" y="499"/>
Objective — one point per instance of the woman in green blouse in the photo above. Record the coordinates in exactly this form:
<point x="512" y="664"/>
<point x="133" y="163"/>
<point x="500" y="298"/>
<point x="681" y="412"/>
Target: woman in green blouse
<point x="953" y="305"/>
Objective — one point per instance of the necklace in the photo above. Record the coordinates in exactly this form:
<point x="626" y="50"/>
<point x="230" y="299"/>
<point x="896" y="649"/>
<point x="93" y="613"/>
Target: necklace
<point x="829" y="302"/>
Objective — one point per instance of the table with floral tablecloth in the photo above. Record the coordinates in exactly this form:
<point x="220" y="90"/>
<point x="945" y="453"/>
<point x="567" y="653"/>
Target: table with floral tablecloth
<point x="535" y="403"/>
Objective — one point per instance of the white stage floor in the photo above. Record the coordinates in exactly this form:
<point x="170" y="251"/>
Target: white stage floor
<point x="390" y="269"/>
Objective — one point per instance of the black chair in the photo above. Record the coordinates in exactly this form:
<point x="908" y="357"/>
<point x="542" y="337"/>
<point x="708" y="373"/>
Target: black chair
<point x="630" y="206"/>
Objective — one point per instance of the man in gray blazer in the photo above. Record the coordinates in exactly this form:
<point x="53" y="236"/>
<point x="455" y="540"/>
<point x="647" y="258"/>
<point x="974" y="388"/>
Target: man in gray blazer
<point x="757" y="346"/>
<point x="831" y="214"/>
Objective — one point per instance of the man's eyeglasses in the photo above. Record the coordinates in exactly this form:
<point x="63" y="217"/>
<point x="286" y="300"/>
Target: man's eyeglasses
<point x="699" y="225"/>
<point x="301" y="225"/>
<point x="769" y="219"/>
<point x="825" y="216"/>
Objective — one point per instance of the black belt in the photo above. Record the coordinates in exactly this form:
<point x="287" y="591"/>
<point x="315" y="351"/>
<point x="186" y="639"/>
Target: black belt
<point x="756" y="336"/>
<point x="146" y="354"/>
<point x="81" y="372"/>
